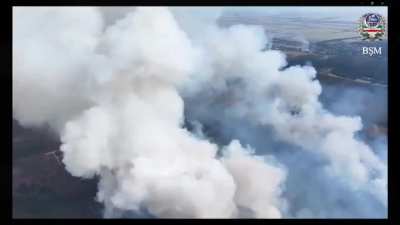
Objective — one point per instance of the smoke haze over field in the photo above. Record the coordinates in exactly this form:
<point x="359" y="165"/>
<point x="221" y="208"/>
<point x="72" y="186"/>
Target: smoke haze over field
<point x="120" y="85"/>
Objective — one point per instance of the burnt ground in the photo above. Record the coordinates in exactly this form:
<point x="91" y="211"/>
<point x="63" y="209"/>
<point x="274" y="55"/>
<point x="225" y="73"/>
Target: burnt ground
<point x="41" y="187"/>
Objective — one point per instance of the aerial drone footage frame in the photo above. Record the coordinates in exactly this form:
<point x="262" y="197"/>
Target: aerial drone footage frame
<point x="265" y="112"/>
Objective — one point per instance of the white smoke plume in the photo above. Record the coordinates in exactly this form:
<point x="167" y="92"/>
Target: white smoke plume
<point x="287" y="100"/>
<point x="126" y="126"/>
<point x="114" y="90"/>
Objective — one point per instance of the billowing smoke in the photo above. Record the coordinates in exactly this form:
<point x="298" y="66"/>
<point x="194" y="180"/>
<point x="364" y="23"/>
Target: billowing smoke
<point x="120" y="89"/>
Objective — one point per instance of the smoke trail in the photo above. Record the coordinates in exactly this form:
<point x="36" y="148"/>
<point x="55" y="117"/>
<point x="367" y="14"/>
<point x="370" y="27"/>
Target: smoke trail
<point x="113" y="91"/>
<point x="287" y="101"/>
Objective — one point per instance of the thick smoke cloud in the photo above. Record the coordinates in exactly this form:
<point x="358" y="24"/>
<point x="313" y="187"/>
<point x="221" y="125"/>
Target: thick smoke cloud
<point x="116" y="89"/>
<point x="287" y="100"/>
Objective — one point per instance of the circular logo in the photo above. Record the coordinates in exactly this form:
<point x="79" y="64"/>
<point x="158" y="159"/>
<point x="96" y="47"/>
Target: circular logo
<point x="372" y="26"/>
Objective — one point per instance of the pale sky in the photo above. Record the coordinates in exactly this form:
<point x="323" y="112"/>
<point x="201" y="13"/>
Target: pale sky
<point x="347" y="13"/>
<point x="341" y="12"/>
